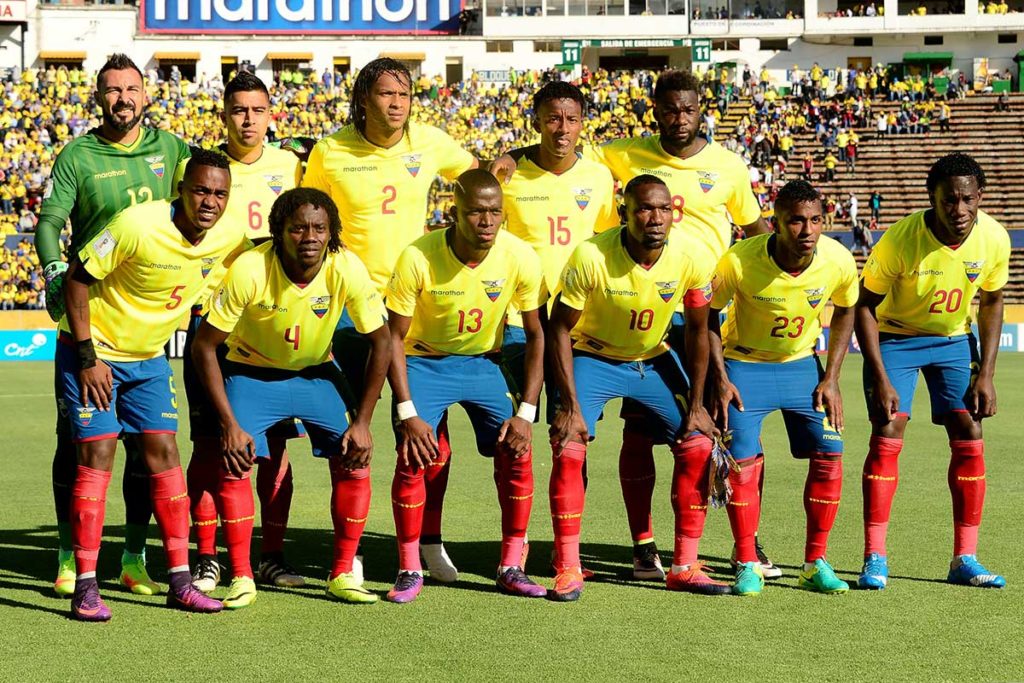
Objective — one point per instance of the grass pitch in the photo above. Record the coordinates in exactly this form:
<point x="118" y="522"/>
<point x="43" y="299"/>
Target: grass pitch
<point x="918" y="629"/>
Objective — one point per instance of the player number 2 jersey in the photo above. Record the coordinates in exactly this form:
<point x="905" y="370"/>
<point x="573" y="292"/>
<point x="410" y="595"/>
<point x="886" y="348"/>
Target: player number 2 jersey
<point x="274" y="323"/>
<point x="627" y="309"/>
<point x="776" y="316"/>
<point x="458" y="309"/>
<point x="928" y="285"/>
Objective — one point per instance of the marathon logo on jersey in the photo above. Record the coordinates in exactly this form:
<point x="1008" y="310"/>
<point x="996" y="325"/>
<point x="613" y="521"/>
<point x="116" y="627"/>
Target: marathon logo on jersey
<point x="707" y="180"/>
<point x="156" y="165"/>
<point x="492" y="288"/>
<point x="814" y="296"/>
<point x="973" y="269"/>
<point x="275" y="183"/>
<point x="582" y="196"/>
<point x="667" y="290"/>
<point x="207" y="266"/>
<point x="104" y="244"/>
<point x="320" y="304"/>
<point x="412" y="163"/>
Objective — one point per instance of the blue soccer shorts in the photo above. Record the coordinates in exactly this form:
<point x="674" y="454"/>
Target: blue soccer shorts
<point x="658" y="386"/>
<point x="318" y="396"/>
<point x="477" y="383"/>
<point x="144" y="400"/>
<point x="789" y="387"/>
<point x="513" y="357"/>
<point x="949" y="366"/>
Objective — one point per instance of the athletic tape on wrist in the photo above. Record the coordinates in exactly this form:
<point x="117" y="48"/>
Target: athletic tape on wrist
<point x="527" y="411"/>
<point x="405" y="410"/>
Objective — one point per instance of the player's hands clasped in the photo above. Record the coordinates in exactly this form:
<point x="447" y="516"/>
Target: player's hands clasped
<point x="515" y="437"/>
<point x="981" y="398"/>
<point x="417" y="444"/>
<point x="238" y="448"/>
<point x="357" y="446"/>
<point x="828" y="398"/>
<point x="566" y="426"/>
<point x="97" y="385"/>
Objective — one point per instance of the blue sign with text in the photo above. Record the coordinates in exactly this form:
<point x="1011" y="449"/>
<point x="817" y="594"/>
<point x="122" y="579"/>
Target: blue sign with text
<point x="28" y="344"/>
<point x="300" y="17"/>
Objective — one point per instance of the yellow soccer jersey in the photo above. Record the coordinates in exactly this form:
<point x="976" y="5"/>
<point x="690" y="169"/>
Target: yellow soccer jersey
<point x="149" y="277"/>
<point x="775" y="316"/>
<point x="255" y="187"/>
<point x="707" y="188"/>
<point x="928" y="285"/>
<point x="382" y="193"/>
<point x="275" y="323"/>
<point x="457" y="309"/>
<point x="627" y="309"/>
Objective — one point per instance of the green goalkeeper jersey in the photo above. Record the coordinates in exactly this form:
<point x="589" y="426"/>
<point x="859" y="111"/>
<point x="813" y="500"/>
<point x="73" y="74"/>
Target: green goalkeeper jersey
<point x="93" y="179"/>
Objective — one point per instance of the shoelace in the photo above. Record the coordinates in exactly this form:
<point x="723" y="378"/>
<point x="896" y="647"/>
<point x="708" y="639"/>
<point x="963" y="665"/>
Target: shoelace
<point x="516" y="575"/>
<point x="406" y="580"/>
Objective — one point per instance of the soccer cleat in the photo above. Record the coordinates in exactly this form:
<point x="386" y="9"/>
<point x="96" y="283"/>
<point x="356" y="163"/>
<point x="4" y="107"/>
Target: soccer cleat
<point x="134" y="576"/>
<point x="525" y="554"/>
<point x="407" y="586"/>
<point x="275" y="571"/>
<point x="514" y="581"/>
<point x="647" y="563"/>
<point x="64" y="585"/>
<point x="821" y="578"/>
<point x="357" y="567"/>
<point x="965" y="570"/>
<point x="749" y="579"/>
<point x="695" y="580"/>
<point x="241" y="593"/>
<point x="875" y="574"/>
<point x="439" y="565"/>
<point x="587" y="574"/>
<point x="769" y="570"/>
<point x="568" y="585"/>
<point x="87" y="605"/>
<point x="349" y="588"/>
<point x="189" y="599"/>
<point x="206" y="575"/>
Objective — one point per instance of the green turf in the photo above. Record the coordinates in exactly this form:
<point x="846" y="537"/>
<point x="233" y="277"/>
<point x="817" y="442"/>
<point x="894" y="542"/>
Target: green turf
<point x="919" y="628"/>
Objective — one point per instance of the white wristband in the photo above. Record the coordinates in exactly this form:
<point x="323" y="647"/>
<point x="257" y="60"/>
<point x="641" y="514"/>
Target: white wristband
<point x="405" y="410"/>
<point x="527" y="411"/>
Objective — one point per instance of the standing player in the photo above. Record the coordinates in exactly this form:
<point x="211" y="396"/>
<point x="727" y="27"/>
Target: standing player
<point x="126" y="293"/>
<point x="259" y="174"/>
<point x="914" y="316"/>
<point x="277" y="310"/>
<point x="447" y="301"/>
<point x="378" y="170"/>
<point x="778" y="285"/>
<point x="618" y="294"/>
<point x="110" y="168"/>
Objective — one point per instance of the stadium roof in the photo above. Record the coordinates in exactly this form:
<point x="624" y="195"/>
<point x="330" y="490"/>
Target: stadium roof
<point x="928" y="57"/>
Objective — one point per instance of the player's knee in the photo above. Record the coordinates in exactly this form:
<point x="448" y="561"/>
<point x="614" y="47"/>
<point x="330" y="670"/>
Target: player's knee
<point x="160" y="452"/>
<point x="97" y="455"/>
<point x="961" y="426"/>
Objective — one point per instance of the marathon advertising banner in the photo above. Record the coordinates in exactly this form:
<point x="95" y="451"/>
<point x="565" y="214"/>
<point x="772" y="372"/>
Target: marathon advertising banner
<point x="300" y="17"/>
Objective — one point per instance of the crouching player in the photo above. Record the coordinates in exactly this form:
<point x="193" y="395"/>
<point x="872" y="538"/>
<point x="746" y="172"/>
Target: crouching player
<point x="914" y="316"/>
<point x="606" y="341"/>
<point x="779" y="284"/>
<point x="127" y="291"/>
<point x="277" y="310"/>
<point x="447" y="301"/>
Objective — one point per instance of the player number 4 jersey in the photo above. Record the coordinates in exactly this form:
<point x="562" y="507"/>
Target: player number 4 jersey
<point x="776" y="316"/>
<point x="627" y="309"/>
<point x="928" y="285"/>
<point x="458" y="309"/>
<point x="275" y="323"/>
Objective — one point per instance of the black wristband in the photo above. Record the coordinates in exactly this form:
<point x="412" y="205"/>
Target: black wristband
<point x="86" y="354"/>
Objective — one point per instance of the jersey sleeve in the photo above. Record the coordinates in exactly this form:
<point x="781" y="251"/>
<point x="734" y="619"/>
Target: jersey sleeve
<point x="847" y="289"/>
<point x="362" y="301"/>
<point x="454" y="158"/>
<point x="61" y="189"/>
<point x="405" y="283"/>
<point x="577" y="280"/>
<point x="742" y="204"/>
<point x="531" y="293"/>
<point x="115" y="244"/>
<point x="1000" y="273"/>
<point x="725" y="281"/>
<point x="315" y="176"/>
<point x="184" y="154"/>
<point x="230" y="300"/>
<point x="608" y="212"/>
<point x="882" y="268"/>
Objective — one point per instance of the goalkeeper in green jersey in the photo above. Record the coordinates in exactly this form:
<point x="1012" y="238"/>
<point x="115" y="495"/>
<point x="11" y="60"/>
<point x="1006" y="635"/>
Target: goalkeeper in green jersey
<point x="95" y="176"/>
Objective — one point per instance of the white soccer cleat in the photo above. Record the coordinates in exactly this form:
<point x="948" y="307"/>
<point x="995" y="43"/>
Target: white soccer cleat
<point x="438" y="563"/>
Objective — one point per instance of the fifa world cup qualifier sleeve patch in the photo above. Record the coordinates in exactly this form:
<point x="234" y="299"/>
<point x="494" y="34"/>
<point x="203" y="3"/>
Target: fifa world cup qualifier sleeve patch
<point x="104" y="244"/>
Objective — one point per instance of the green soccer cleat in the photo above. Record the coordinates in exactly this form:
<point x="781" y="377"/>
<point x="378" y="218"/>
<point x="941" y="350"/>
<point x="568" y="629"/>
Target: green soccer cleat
<point x="64" y="585"/>
<point x="749" y="579"/>
<point x="822" y="579"/>
<point x="241" y="593"/>
<point x="134" y="576"/>
<point x="349" y="588"/>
